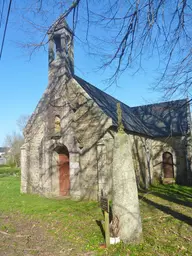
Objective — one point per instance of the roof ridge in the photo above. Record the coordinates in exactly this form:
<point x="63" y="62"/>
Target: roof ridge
<point x="159" y="103"/>
<point x="103" y="92"/>
<point x="58" y="22"/>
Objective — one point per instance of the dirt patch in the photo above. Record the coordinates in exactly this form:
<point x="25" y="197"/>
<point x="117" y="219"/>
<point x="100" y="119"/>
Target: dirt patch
<point x="23" y="236"/>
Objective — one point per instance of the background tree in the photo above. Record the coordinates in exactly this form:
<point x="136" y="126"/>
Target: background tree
<point x="14" y="141"/>
<point x="22" y="121"/>
<point x="121" y="34"/>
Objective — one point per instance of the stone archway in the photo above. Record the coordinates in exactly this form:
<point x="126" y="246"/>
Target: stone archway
<point x="168" y="165"/>
<point x="64" y="170"/>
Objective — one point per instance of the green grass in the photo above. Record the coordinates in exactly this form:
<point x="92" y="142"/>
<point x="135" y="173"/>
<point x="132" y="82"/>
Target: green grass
<point x="165" y="210"/>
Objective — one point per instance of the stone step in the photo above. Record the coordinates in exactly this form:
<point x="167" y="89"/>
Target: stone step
<point x="168" y="181"/>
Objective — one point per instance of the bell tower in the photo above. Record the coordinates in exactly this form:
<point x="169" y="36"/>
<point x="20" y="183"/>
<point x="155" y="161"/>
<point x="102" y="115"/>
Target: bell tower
<point x="60" y="53"/>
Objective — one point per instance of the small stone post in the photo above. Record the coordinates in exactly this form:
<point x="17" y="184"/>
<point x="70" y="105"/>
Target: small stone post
<point x="24" y="169"/>
<point x="125" y="195"/>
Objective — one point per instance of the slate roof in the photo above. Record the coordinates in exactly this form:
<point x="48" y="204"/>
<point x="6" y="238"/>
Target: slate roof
<point x="109" y="106"/>
<point x="154" y="120"/>
<point x="59" y="24"/>
<point x="164" y="119"/>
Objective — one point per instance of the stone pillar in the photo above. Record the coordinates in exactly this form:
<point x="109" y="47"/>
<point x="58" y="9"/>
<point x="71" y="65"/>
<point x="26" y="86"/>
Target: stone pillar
<point x="189" y="159"/>
<point x="71" y="54"/>
<point x="124" y="191"/>
<point x="51" y="53"/>
<point x="189" y="146"/>
<point x="47" y="171"/>
<point x="101" y="165"/>
<point x="55" y="191"/>
<point x="75" y="190"/>
<point x="24" y="169"/>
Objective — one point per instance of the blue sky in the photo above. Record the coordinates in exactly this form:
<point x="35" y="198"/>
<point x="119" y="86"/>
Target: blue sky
<point x="23" y="81"/>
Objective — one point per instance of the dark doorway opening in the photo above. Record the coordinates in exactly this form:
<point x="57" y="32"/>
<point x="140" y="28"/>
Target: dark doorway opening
<point x="168" y="165"/>
<point x="63" y="166"/>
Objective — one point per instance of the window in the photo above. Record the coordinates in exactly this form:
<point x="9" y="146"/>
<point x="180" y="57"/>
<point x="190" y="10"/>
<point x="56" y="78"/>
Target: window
<point x="57" y="40"/>
<point x="57" y="124"/>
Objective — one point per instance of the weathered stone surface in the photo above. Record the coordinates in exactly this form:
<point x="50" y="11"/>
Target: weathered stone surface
<point x="24" y="169"/>
<point x="125" y="196"/>
<point x="148" y="156"/>
<point x="80" y="131"/>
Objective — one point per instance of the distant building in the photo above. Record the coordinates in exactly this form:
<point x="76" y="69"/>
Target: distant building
<point x="3" y="151"/>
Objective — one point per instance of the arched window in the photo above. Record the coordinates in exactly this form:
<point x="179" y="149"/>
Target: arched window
<point x="58" y="47"/>
<point x="168" y="165"/>
<point x="57" y="124"/>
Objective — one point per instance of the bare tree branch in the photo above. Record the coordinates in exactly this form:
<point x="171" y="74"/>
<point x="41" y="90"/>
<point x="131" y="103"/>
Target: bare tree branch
<point x="121" y="32"/>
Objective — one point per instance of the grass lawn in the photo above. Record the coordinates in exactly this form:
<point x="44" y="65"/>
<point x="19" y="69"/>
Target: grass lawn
<point x="8" y="171"/>
<point x="66" y="227"/>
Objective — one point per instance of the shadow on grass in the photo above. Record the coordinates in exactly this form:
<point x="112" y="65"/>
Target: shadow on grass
<point x="99" y="223"/>
<point x="168" y="210"/>
<point x="172" y="199"/>
<point x="175" y="191"/>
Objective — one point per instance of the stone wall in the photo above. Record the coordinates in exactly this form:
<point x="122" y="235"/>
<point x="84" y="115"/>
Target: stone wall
<point x="105" y="148"/>
<point x="147" y="155"/>
<point x="30" y="159"/>
<point x="83" y="124"/>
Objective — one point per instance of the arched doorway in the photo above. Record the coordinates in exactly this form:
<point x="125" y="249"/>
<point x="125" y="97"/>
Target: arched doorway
<point x="168" y="165"/>
<point x="63" y="166"/>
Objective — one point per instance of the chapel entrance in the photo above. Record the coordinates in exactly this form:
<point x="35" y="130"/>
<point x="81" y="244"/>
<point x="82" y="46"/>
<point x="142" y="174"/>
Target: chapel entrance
<point x="168" y="165"/>
<point x="63" y="166"/>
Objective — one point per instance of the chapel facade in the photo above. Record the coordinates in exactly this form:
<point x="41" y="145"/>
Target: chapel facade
<point x="69" y="139"/>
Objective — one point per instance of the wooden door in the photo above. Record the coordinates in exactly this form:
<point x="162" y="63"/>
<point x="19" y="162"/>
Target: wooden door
<point x="64" y="180"/>
<point x="168" y="165"/>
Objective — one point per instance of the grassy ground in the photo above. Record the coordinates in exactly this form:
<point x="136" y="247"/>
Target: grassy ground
<point x="8" y="171"/>
<point x="32" y="225"/>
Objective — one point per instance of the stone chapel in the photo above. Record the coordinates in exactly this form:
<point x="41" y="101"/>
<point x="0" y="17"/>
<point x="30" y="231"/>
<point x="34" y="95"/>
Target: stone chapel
<point x="69" y="139"/>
